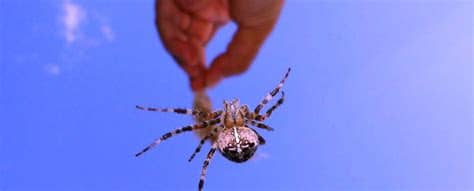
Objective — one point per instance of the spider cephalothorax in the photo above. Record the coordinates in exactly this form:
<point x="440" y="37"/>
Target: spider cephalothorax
<point x="230" y="131"/>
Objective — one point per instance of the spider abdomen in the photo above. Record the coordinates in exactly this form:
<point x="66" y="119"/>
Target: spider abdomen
<point x="238" y="144"/>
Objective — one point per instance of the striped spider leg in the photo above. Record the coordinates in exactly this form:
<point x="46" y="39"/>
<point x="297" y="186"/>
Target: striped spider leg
<point x="184" y="111"/>
<point x="213" y="132"/>
<point x="205" y="165"/>
<point x="270" y="95"/>
<point x="165" y="136"/>
<point x="253" y="118"/>
<point x="270" y="111"/>
<point x="214" y="119"/>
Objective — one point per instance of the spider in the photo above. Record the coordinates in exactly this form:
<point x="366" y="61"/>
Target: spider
<point x="230" y="132"/>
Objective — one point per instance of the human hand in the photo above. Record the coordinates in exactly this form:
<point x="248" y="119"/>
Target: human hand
<point x="186" y="26"/>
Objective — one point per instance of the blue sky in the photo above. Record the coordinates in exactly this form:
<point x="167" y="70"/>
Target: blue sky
<point x="380" y="98"/>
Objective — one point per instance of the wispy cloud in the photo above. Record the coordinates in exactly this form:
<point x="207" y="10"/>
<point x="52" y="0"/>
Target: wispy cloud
<point x="72" y="18"/>
<point x="84" y="27"/>
<point x="81" y="28"/>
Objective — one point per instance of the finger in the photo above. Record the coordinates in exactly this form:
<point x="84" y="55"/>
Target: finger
<point x="194" y="68"/>
<point x="197" y="84"/>
<point x="254" y="25"/>
<point x="255" y="13"/>
<point x="187" y="51"/>
<point x="212" y="10"/>
<point x="239" y="54"/>
<point x="200" y="30"/>
<point x="217" y="12"/>
<point x="174" y="39"/>
<point x="188" y="54"/>
<point x="206" y="16"/>
<point x="214" y="74"/>
<point x="168" y="14"/>
<point x="195" y="72"/>
<point x="193" y="5"/>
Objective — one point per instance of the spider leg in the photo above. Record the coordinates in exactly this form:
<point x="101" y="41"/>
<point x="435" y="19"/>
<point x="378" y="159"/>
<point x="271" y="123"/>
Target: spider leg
<point x="270" y="111"/>
<point x="270" y="95"/>
<point x="178" y="131"/>
<point x="175" y="110"/>
<point x="203" y="140"/>
<point x="181" y="111"/>
<point x="204" y="166"/>
<point x="260" y="125"/>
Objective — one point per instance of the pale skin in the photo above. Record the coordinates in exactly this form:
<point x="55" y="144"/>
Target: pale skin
<point x="186" y="26"/>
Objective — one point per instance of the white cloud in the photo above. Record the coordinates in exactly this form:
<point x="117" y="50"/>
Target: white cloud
<point x="86" y="32"/>
<point x="73" y="16"/>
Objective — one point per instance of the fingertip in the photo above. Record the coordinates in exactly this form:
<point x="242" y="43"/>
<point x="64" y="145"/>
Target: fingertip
<point x="212" y="79"/>
<point x="215" y="73"/>
<point x="197" y="84"/>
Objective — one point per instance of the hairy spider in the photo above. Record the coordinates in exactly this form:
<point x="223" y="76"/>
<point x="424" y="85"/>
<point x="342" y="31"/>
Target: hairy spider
<point x="230" y="132"/>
